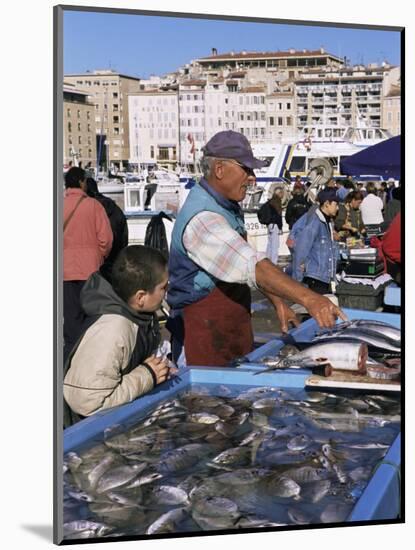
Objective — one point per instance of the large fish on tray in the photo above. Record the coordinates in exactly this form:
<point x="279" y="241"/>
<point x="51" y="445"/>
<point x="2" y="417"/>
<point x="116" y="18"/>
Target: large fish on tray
<point x="378" y="336"/>
<point x="350" y="356"/>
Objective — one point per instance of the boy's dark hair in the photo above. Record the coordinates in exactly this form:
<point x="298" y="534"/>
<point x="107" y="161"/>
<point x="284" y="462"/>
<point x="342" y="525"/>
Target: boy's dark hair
<point x="137" y="267"/>
<point x="73" y="177"/>
<point x="371" y="188"/>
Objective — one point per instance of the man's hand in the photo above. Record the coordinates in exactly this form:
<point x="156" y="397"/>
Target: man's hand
<point x="284" y="313"/>
<point x="323" y="310"/>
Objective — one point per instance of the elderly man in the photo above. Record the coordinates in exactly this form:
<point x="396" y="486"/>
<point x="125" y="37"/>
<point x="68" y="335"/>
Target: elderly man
<point x="212" y="268"/>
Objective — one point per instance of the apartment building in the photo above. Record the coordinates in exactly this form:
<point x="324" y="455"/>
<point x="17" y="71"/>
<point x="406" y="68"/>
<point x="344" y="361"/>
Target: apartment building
<point x="79" y="136"/>
<point x="392" y="101"/>
<point x="347" y="96"/>
<point x="108" y="91"/>
<point x="153" y="128"/>
<point x="392" y="111"/>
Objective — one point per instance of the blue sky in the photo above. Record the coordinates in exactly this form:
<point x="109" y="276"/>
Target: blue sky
<point x="140" y="45"/>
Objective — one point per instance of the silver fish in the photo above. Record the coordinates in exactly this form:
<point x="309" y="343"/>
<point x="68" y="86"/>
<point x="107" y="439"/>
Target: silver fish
<point x="283" y="486"/>
<point x="80" y="495"/>
<point x="371" y="338"/>
<point x="212" y="523"/>
<point x="204" y="418"/>
<point x="168" y="495"/>
<point x="144" y="480"/>
<point x="119" y="498"/>
<point x="216" y="507"/>
<point x="72" y="461"/>
<point x="115" y="477"/>
<point x="335" y="512"/>
<point x="103" y="466"/>
<point x="235" y="455"/>
<point x="350" y="356"/>
<point x="243" y="477"/>
<point x="81" y="526"/>
<point x="167" y="523"/>
<point x="299" y="517"/>
<point x="299" y="442"/>
<point x="316" y="491"/>
<point x="305" y="474"/>
<point x="360" y="473"/>
<point x="248" y="521"/>
<point x="182" y="458"/>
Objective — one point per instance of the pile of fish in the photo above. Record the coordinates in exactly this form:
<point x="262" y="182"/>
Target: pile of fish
<point x="346" y="347"/>
<point x="209" y="459"/>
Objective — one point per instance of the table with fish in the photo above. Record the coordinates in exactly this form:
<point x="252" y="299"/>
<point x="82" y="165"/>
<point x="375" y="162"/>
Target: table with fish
<point x="230" y="449"/>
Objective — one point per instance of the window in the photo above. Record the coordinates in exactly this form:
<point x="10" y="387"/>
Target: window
<point x="280" y="121"/>
<point x="115" y="95"/>
<point x="70" y="140"/>
<point x="88" y="115"/>
<point x="115" y="107"/>
<point x="89" y="140"/>
<point x="271" y="121"/>
<point x="115" y="119"/>
<point x="116" y="131"/>
<point x="152" y="151"/>
<point x="288" y="106"/>
<point x="68" y="112"/>
<point x="69" y="127"/>
<point x="289" y="121"/>
<point x="79" y="114"/>
<point x="79" y="126"/>
<point x="79" y="140"/>
<point x="89" y="127"/>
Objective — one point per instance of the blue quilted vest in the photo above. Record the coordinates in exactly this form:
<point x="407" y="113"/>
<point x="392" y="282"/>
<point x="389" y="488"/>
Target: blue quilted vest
<point x="188" y="283"/>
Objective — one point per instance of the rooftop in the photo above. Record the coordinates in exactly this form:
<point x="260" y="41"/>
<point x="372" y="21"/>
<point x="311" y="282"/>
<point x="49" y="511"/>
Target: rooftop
<point x="268" y="55"/>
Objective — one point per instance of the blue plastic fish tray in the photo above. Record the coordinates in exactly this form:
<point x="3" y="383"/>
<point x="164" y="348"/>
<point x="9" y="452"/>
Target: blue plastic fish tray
<point x="381" y="497"/>
<point x="392" y="295"/>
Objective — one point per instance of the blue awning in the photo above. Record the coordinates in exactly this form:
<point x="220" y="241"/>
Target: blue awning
<point x="382" y="159"/>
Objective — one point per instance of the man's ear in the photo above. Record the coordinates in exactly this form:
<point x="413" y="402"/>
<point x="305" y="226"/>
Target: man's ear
<point x="218" y="169"/>
<point x="137" y="300"/>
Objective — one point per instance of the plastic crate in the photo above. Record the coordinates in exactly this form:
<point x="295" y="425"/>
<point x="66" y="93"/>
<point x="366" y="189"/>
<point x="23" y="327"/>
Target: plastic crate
<point x="358" y="296"/>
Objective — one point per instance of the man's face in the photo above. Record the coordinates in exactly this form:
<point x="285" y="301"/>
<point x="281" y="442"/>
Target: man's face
<point x="355" y="203"/>
<point x="232" y="179"/>
<point x="331" y="208"/>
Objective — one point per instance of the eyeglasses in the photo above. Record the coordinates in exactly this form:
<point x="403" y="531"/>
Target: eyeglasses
<point x="246" y="169"/>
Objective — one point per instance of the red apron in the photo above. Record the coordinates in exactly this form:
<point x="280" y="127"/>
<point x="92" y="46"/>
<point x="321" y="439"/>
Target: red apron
<point x="217" y="329"/>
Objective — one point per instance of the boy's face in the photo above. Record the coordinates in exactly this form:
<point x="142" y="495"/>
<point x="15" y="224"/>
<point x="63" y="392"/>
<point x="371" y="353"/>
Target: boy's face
<point x="153" y="300"/>
<point x="150" y="300"/>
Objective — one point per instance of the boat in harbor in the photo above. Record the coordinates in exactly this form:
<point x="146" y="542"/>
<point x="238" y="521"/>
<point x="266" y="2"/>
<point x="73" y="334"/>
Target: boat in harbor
<point x="142" y="196"/>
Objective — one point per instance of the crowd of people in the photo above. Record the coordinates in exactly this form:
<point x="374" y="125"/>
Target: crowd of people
<point x="112" y="290"/>
<point x="343" y="212"/>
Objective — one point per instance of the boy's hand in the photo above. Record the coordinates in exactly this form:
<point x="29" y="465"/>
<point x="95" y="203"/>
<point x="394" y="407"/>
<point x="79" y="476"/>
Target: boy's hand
<point x="160" y="367"/>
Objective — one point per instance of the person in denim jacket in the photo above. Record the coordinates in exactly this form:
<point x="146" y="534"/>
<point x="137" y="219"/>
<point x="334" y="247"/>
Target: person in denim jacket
<point x="316" y="252"/>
